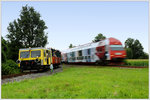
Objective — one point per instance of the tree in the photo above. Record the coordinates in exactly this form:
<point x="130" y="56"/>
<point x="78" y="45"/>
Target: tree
<point x="145" y="56"/>
<point x="134" y="48"/>
<point x="129" y="53"/>
<point x="71" y="46"/>
<point x="99" y="37"/>
<point x="4" y="50"/>
<point x="26" y="31"/>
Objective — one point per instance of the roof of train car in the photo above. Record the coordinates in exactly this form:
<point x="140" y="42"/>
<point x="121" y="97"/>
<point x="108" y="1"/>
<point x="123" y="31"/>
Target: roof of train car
<point x="82" y="47"/>
<point x="38" y="48"/>
<point x="32" y="48"/>
<point x="106" y="41"/>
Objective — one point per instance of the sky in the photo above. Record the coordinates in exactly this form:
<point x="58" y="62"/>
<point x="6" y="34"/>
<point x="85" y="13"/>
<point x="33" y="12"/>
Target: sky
<point x="78" y="23"/>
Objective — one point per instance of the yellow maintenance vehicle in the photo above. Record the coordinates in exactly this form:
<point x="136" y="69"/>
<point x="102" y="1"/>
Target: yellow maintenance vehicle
<point x="34" y="58"/>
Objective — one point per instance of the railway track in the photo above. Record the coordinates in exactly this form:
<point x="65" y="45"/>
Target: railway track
<point x="121" y="66"/>
<point x="15" y="75"/>
<point x="27" y="75"/>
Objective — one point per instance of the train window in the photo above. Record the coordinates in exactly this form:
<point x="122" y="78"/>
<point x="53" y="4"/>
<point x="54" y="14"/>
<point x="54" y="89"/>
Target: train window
<point x="52" y="52"/>
<point x="72" y="54"/>
<point x="116" y="47"/>
<point x="35" y="53"/>
<point x="85" y="57"/>
<point x="81" y="58"/>
<point x="25" y="54"/>
<point x="49" y="54"/>
<point x="88" y="51"/>
<point x="80" y="53"/>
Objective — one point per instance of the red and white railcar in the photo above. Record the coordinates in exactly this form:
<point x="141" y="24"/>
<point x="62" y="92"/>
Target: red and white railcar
<point x="110" y="49"/>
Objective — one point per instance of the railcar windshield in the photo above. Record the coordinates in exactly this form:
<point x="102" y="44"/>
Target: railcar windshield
<point x="35" y="53"/>
<point x="24" y="54"/>
<point x="116" y="47"/>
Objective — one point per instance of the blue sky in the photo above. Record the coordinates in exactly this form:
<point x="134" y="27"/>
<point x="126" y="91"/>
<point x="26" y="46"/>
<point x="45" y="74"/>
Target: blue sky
<point x="79" y="22"/>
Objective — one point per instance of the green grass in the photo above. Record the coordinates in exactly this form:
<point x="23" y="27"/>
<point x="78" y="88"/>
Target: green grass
<point x="137" y="62"/>
<point x="82" y="82"/>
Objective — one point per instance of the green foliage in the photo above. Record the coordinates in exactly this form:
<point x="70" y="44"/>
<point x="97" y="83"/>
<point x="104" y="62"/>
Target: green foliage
<point x="99" y="37"/>
<point x="4" y="50"/>
<point x="134" y="49"/>
<point x="26" y="31"/>
<point x="9" y="67"/>
<point x="71" y="46"/>
<point x="129" y="53"/>
<point x="144" y="56"/>
<point x="83" y="82"/>
<point x="135" y="62"/>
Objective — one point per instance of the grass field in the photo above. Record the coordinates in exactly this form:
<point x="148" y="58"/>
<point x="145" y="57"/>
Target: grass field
<point x="83" y="82"/>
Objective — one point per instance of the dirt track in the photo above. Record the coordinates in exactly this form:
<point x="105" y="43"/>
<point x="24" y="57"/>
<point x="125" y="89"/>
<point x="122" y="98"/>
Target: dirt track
<point x="29" y="76"/>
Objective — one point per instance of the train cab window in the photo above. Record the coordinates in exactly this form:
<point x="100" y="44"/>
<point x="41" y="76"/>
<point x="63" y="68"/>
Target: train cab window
<point x="24" y="54"/>
<point x="35" y="53"/>
<point x="116" y="47"/>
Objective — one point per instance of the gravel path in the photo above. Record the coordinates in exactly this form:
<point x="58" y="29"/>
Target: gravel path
<point x="29" y="76"/>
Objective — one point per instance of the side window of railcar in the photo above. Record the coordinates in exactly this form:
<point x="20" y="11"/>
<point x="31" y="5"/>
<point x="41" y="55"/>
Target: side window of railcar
<point x="52" y="52"/>
<point x="80" y="53"/>
<point x="88" y="51"/>
<point x="47" y="53"/>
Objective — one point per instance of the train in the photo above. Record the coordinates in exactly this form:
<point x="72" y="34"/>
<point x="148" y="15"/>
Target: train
<point x="102" y="52"/>
<point x="38" y="58"/>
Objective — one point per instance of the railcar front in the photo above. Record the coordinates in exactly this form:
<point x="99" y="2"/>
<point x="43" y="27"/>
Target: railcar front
<point x="34" y="58"/>
<point x="117" y="52"/>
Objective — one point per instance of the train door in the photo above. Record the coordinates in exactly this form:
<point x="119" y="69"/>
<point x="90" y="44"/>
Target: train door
<point x="89" y="55"/>
<point x="49" y="57"/>
<point x="45" y="58"/>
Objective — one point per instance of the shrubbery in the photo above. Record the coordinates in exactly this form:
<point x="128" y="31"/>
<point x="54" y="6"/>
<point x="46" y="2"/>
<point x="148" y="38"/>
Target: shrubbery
<point x="10" y="67"/>
<point x="136" y="62"/>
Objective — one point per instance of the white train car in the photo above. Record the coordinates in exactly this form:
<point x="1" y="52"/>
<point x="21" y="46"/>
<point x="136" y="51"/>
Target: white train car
<point x="109" y="49"/>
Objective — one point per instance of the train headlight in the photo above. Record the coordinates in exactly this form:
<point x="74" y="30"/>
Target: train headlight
<point x="36" y="60"/>
<point x="18" y="61"/>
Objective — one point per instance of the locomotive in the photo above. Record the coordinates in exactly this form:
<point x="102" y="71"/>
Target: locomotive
<point x="38" y="58"/>
<point x="103" y="52"/>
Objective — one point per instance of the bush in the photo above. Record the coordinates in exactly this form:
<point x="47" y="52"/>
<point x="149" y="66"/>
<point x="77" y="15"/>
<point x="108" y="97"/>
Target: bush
<point x="9" y="67"/>
<point x="137" y="62"/>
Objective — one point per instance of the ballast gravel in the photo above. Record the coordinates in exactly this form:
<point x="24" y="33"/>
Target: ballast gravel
<point x="30" y="76"/>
